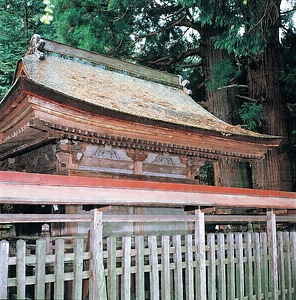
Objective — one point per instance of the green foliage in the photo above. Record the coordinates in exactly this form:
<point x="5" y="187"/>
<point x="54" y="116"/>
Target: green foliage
<point x="221" y="74"/>
<point x="250" y="114"/>
<point x="101" y="26"/>
<point x="19" y="20"/>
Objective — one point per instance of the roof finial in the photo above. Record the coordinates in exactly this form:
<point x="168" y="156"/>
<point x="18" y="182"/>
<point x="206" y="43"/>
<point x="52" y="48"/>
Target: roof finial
<point x="36" y="46"/>
<point x="184" y="83"/>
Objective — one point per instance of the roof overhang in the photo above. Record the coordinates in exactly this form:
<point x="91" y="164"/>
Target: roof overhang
<point x="32" y="114"/>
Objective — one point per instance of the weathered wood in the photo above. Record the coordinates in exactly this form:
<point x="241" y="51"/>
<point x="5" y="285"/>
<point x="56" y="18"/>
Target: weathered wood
<point x="21" y="269"/>
<point x="249" y="271"/>
<point x="282" y="288"/>
<point x="77" y="269"/>
<point x="257" y="266"/>
<point x="221" y="276"/>
<point x="126" y="266"/>
<point x="293" y="259"/>
<point x="40" y="269"/>
<point x="264" y="257"/>
<point x="4" y="254"/>
<point x="239" y="266"/>
<point x="165" y="273"/>
<point x="271" y="234"/>
<point x="178" y="279"/>
<point x="59" y="269"/>
<point x="200" y="255"/>
<point x="97" y="289"/>
<point x="189" y="275"/>
<point x="140" y="278"/>
<point x="231" y="266"/>
<point x="154" y="276"/>
<point x="211" y="279"/>
<point x="287" y="270"/>
<point x="111" y="265"/>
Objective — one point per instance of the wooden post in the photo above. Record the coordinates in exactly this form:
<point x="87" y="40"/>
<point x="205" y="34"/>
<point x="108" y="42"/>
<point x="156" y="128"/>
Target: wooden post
<point x="200" y="255"/>
<point x="271" y="236"/>
<point x="97" y="286"/>
<point x="4" y="254"/>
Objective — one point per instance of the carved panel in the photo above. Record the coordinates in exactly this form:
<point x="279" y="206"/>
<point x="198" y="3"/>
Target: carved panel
<point x="164" y="165"/>
<point x="105" y="159"/>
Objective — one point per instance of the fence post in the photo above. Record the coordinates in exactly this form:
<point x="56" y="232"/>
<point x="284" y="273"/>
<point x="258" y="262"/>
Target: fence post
<point x="271" y="236"/>
<point x="97" y="286"/>
<point x="4" y="254"/>
<point x="200" y="255"/>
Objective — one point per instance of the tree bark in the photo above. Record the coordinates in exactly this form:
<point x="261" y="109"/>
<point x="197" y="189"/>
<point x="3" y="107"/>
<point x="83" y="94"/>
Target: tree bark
<point x="223" y="104"/>
<point x="276" y="171"/>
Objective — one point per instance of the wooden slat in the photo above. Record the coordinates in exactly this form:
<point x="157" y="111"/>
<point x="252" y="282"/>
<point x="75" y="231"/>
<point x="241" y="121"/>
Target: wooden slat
<point x="140" y="279"/>
<point x="211" y="279"/>
<point x="126" y="266"/>
<point x="189" y="276"/>
<point x="287" y="269"/>
<point x="264" y="258"/>
<point x="111" y="266"/>
<point x="221" y="267"/>
<point x="40" y="269"/>
<point x="59" y="269"/>
<point x="21" y="269"/>
<point x="271" y="234"/>
<point x="257" y="266"/>
<point x="165" y="273"/>
<point x="4" y="254"/>
<point x="77" y="269"/>
<point x="230" y="266"/>
<point x="178" y="279"/>
<point x="200" y="255"/>
<point x="281" y="259"/>
<point x="249" y="264"/>
<point x="293" y="259"/>
<point x="239" y="266"/>
<point x="153" y="259"/>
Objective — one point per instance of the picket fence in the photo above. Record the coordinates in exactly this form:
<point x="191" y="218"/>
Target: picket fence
<point x="228" y="266"/>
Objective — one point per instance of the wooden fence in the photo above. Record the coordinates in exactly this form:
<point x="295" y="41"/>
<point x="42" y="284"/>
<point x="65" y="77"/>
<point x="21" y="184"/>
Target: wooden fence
<point x="190" y="266"/>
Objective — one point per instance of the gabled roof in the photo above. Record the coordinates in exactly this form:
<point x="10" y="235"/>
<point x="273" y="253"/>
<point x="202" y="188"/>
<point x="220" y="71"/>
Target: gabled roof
<point x="120" y="100"/>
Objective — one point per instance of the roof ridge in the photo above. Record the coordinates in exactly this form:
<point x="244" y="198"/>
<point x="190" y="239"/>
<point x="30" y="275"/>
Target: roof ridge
<point x="37" y="46"/>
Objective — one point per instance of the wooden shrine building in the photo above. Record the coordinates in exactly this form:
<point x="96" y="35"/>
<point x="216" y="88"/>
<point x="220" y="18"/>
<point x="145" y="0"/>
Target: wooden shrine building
<point x="76" y="113"/>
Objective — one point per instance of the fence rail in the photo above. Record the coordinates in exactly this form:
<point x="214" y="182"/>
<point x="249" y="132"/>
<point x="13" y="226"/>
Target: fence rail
<point x="189" y="266"/>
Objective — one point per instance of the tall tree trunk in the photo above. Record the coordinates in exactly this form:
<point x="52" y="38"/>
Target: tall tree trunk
<point x="276" y="171"/>
<point x="222" y="104"/>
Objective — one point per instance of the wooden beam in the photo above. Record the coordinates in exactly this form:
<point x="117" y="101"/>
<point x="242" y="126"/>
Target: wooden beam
<point x="33" y="189"/>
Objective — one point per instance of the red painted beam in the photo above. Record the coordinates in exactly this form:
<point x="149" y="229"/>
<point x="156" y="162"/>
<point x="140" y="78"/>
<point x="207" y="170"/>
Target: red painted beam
<point x="78" y="181"/>
<point x="28" y="188"/>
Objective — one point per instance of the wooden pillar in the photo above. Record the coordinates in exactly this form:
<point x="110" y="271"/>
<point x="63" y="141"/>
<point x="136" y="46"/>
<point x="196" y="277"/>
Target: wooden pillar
<point x="200" y="256"/>
<point x="138" y="156"/>
<point x="271" y="235"/>
<point x="97" y="286"/>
